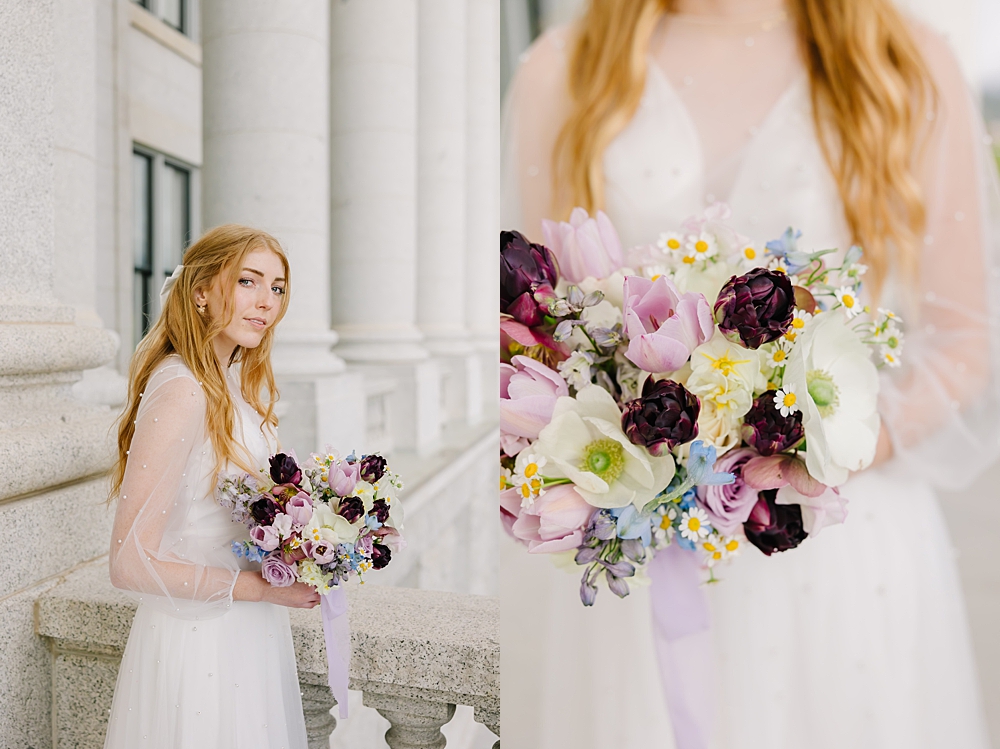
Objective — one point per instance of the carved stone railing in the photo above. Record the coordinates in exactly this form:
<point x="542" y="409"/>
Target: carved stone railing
<point x="415" y="655"/>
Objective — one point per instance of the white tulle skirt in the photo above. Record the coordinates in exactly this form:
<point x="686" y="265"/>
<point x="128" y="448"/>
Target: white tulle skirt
<point x="857" y="639"/>
<point x="223" y="683"/>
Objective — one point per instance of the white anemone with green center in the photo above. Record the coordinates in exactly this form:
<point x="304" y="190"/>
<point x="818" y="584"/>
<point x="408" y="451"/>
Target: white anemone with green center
<point x="832" y="373"/>
<point x="585" y="443"/>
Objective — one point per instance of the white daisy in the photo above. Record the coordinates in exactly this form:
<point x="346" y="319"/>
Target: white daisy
<point x="700" y="247"/>
<point x="847" y="298"/>
<point x="713" y="549"/>
<point x="670" y="242"/>
<point x="889" y="357"/>
<point x="888" y="314"/>
<point x="799" y="320"/>
<point x="694" y="524"/>
<point x="778" y="264"/>
<point x="528" y="479"/>
<point x="778" y="356"/>
<point x="506" y="476"/>
<point x="749" y="255"/>
<point x="785" y="401"/>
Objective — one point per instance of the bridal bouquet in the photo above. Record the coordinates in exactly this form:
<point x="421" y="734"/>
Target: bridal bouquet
<point x="701" y="393"/>
<point x="318" y="523"/>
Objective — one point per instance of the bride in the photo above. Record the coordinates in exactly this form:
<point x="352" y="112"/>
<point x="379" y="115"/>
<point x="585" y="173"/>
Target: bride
<point x="852" y="123"/>
<point x="209" y="662"/>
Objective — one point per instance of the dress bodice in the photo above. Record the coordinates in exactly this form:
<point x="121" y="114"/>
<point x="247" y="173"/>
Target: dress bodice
<point x="656" y="176"/>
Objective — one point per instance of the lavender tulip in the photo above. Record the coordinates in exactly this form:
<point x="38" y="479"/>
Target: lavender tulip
<point x="663" y="325"/>
<point x="585" y="247"/>
<point x="528" y="394"/>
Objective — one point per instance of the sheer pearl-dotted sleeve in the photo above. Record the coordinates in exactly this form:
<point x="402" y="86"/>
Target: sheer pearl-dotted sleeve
<point x="536" y="106"/>
<point x="169" y="478"/>
<point x="942" y="410"/>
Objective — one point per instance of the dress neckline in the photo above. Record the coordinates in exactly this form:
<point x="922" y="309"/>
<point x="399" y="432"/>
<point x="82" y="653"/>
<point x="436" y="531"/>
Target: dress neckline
<point x="689" y="124"/>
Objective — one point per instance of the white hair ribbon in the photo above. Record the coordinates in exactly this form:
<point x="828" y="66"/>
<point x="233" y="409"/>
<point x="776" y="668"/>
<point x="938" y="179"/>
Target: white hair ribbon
<point x="169" y="284"/>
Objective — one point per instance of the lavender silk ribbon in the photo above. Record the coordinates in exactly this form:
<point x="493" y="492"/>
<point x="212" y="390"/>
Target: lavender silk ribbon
<point x="682" y="638"/>
<point x="337" y="632"/>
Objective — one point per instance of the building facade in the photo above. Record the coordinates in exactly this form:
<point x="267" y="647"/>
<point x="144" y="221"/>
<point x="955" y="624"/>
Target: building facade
<point x="363" y="135"/>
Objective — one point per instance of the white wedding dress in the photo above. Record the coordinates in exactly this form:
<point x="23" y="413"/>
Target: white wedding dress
<point x="858" y="638"/>
<point x="200" y="671"/>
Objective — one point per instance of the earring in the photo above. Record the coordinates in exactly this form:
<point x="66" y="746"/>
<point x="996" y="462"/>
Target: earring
<point x="201" y="308"/>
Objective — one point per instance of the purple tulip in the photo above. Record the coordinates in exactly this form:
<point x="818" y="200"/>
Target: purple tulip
<point x="351" y="508"/>
<point x="772" y="527"/>
<point x="381" y="556"/>
<point x="729" y="505"/>
<point x="284" y="469"/>
<point x="380" y="509"/>
<point x="372" y="468"/>
<point x="264" y="510"/>
<point x="664" y="416"/>
<point x="663" y="325"/>
<point x="756" y="308"/>
<point x="276" y="572"/>
<point x="585" y="247"/>
<point x="767" y="431"/>
<point x="524" y="268"/>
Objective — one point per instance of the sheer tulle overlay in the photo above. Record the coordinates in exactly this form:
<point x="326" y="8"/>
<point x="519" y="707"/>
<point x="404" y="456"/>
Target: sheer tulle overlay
<point x="857" y="638"/>
<point x="199" y="669"/>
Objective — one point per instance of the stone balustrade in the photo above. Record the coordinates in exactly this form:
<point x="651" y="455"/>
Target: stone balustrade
<point x="415" y="655"/>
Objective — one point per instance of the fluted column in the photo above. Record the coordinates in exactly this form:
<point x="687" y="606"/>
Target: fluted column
<point x="482" y="165"/>
<point x="373" y="158"/>
<point x="266" y="164"/>
<point x="441" y="174"/>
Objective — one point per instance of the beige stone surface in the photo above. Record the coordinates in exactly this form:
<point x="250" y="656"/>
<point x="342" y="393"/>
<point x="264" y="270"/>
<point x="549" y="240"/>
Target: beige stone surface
<point x="77" y="512"/>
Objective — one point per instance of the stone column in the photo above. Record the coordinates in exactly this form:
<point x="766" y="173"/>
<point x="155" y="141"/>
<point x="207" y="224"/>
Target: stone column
<point x="53" y="449"/>
<point x="75" y="164"/>
<point x="266" y="162"/>
<point x="373" y="204"/>
<point x="441" y="227"/>
<point x="482" y="164"/>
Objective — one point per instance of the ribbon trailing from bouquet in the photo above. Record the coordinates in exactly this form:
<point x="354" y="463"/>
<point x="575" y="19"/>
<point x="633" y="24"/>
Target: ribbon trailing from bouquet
<point x="337" y="632"/>
<point x="681" y="624"/>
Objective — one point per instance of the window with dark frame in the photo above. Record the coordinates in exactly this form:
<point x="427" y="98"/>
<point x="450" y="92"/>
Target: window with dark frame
<point x="174" y="13"/>
<point x="142" y="223"/>
<point x="162" y="228"/>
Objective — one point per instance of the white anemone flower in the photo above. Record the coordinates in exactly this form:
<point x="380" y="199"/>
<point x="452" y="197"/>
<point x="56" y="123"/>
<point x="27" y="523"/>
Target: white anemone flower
<point x="585" y="443"/>
<point x="837" y="383"/>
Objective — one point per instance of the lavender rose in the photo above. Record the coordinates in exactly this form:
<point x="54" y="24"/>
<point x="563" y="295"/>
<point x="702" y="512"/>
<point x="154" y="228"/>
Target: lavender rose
<point x="524" y="268"/>
<point x="767" y="431"/>
<point x="772" y="527"/>
<point x="372" y="468"/>
<point x="351" y="509"/>
<point x="728" y="506"/>
<point x="756" y="308"/>
<point x="276" y="572"/>
<point x="664" y="416"/>
<point x="284" y="469"/>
